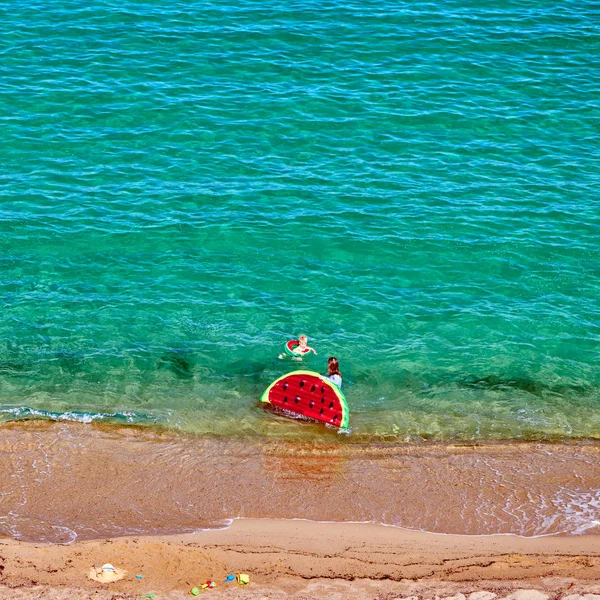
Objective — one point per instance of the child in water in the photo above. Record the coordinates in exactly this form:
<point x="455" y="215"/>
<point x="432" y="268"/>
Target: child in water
<point x="333" y="371"/>
<point x="301" y="349"/>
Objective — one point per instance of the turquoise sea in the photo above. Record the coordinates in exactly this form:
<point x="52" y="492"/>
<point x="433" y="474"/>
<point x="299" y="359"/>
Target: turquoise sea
<point x="185" y="186"/>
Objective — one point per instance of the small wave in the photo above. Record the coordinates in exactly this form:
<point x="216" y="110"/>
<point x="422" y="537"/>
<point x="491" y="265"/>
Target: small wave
<point x="64" y="535"/>
<point x="580" y="510"/>
<point x="21" y="413"/>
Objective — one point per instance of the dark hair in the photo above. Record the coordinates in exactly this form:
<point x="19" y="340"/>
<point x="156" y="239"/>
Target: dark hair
<point x="333" y="367"/>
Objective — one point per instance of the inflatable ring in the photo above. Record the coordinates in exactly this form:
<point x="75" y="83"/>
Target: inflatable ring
<point x="289" y="348"/>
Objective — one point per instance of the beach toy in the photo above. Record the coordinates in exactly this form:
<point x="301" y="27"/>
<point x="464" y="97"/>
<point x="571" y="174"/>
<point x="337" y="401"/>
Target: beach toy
<point x="139" y="577"/>
<point x="147" y="596"/>
<point x="307" y="394"/>
<point x="290" y="346"/>
<point x="243" y="579"/>
<point x="229" y="578"/>
<point x="210" y="583"/>
<point x="194" y="591"/>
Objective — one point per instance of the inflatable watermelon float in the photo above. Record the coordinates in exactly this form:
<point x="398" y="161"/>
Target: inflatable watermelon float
<point x="305" y="393"/>
<point x="290" y="349"/>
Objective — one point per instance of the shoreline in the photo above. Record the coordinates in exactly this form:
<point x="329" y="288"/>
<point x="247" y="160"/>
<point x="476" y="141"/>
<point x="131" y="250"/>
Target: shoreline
<point x="285" y="558"/>
<point x="320" y="435"/>
<point x="61" y="482"/>
<point x="282" y="428"/>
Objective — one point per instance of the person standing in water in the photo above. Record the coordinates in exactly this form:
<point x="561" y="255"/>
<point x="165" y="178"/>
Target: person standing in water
<point x="333" y="371"/>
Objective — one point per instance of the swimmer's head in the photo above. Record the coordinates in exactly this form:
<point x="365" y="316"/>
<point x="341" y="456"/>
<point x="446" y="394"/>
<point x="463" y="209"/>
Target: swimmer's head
<point x="333" y="366"/>
<point x="303" y="340"/>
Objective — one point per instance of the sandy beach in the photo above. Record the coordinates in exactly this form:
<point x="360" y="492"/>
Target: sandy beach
<point x="61" y="482"/>
<point x="181" y="510"/>
<point x="302" y="559"/>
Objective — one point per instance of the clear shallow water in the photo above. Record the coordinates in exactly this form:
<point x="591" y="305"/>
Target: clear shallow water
<point x="156" y="482"/>
<point x="414" y="186"/>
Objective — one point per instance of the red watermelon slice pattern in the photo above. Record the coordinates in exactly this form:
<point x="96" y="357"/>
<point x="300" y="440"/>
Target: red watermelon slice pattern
<point x="306" y="393"/>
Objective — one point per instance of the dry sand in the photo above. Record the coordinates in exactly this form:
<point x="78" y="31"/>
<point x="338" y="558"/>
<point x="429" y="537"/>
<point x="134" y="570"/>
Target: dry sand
<point x="302" y="560"/>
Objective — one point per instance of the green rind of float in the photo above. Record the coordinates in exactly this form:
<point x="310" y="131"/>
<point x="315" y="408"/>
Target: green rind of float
<point x="289" y="352"/>
<point x="336" y="390"/>
<point x="345" y="410"/>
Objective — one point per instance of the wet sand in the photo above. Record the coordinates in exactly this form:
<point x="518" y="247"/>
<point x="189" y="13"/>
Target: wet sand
<point x="303" y="559"/>
<point x="61" y="482"/>
<point x="73" y="496"/>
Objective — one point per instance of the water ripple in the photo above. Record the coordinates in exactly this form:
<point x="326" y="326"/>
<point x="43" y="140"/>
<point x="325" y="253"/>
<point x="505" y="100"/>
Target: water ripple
<point x="414" y="186"/>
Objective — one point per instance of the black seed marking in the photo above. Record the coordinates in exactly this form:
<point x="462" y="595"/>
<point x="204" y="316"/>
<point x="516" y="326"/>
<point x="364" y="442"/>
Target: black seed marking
<point x="302" y="383"/>
<point x="297" y="399"/>
<point x="321" y="412"/>
<point x="313" y="388"/>
<point x="285" y="385"/>
<point x="285" y="399"/>
<point x="331" y="405"/>
<point x="311" y="404"/>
